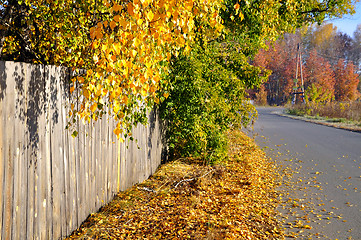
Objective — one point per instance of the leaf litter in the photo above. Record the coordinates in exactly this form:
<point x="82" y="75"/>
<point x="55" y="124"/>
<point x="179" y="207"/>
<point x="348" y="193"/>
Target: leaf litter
<point x="185" y="199"/>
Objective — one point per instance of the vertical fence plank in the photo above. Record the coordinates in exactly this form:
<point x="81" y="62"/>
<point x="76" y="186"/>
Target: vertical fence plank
<point x="87" y="154"/>
<point x="81" y="175"/>
<point x="31" y="99"/>
<point x="119" y="167"/>
<point x="63" y="177"/>
<point x="3" y="89"/>
<point x="123" y="173"/>
<point x="65" y="205"/>
<point x="3" y="139"/>
<point x="104" y="159"/>
<point x="9" y="151"/>
<point x="85" y="166"/>
<point x="93" y="167"/>
<point x="71" y="196"/>
<point x="132" y="163"/>
<point x="98" y="181"/>
<point x="44" y="154"/>
<point x="53" y="148"/>
<point x="19" y="210"/>
<point x="59" y="149"/>
<point x="111" y="161"/>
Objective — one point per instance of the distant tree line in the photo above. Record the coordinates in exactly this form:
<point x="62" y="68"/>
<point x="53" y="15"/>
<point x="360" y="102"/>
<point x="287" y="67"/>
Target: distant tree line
<point x="331" y="65"/>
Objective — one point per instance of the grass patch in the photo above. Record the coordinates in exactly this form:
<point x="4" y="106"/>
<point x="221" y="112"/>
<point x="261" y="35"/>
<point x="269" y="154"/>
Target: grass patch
<point x="338" y="120"/>
<point x="185" y="199"/>
<point x="334" y="112"/>
<point x="340" y="111"/>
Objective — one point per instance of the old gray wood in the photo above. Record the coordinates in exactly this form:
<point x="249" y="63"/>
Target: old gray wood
<point x="49" y="181"/>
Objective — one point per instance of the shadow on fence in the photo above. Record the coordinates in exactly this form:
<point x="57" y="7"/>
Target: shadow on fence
<point x="49" y="181"/>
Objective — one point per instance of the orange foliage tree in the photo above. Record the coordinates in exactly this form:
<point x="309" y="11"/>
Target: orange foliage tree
<point x="280" y="59"/>
<point x="346" y="81"/>
<point x="319" y="79"/>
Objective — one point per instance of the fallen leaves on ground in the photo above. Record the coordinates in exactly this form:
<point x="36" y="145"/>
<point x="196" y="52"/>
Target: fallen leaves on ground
<point x="185" y="199"/>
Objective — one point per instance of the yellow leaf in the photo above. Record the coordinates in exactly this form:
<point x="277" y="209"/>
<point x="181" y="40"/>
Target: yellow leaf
<point x="169" y="14"/>
<point x="143" y="92"/>
<point x="241" y="16"/>
<point x="150" y="16"/>
<point x="86" y="93"/>
<point x="307" y="227"/>
<point x="124" y="23"/>
<point x="72" y="89"/>
<point x="117" y="18"/>
<point x="81" y="62"/>
<point x="93" y="107"/>
<point x="92" y="32"/>
<point x="139" y="21"/>
<point x="116" y="107"/>
<point x="134" y="53"/>
<point x="136" y="42"/>
<point x="99" y="35"/>
<point x="125" y="99"/>
<point x="130" y="9"/>
<point x="112" y="25"/>
<point x="80" y="79"/>
<point x="116" y="48"/>
<point x="117" y="7"/>
<point x="117" y="131"/>
<point x="156" y="78"/>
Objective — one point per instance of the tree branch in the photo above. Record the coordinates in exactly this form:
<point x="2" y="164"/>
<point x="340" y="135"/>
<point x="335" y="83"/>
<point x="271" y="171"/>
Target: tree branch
<point x="8" y="12"/>
<point x="191" y="179"/>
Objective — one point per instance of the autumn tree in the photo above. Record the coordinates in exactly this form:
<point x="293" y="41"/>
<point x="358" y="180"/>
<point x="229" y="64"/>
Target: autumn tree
<point x="280" y="59"/>
<point x="346" y="81"/>
<point x="126" y="47"/>
<point x="322" y="47"/>
<point x="319" y="79"/>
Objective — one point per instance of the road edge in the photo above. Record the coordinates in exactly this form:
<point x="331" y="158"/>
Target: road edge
<point x="344" y="126"/>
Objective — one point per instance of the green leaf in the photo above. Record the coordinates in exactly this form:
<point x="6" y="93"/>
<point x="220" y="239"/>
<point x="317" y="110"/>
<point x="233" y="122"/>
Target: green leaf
<point x="74" y="134"/>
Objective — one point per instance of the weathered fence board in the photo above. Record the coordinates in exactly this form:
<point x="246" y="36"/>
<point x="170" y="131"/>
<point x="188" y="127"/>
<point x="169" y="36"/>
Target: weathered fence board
<point x="49" y="181"/>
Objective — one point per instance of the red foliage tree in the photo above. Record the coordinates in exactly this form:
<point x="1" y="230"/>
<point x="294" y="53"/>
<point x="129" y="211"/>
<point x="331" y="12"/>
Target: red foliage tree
<point x="278" y="59"/>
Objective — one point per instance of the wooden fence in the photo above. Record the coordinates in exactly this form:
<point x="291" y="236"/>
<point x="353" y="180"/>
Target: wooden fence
<point x="49" y="181"/>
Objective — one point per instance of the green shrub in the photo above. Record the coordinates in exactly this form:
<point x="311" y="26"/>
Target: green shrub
<point x="207" y="97"/>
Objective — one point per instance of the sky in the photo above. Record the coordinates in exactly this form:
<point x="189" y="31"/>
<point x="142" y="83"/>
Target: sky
<point x="348" y="23"/>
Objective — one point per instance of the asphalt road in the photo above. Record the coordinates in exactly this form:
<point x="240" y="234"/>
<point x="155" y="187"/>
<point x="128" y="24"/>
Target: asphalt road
<point x="321" y="199"/>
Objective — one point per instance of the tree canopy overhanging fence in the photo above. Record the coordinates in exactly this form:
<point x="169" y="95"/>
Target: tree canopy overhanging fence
<point x="126" y="46"/>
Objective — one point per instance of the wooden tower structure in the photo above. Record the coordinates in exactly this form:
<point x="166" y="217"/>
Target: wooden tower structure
<point x="298" y="89"/>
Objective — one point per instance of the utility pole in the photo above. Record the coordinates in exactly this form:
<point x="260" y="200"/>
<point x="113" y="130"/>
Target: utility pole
<point x="298" y="90"/>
